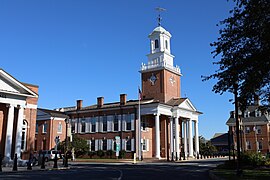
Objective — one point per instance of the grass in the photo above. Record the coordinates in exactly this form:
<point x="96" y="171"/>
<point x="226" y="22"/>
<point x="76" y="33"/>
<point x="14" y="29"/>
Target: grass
<point x="246" y="174"/>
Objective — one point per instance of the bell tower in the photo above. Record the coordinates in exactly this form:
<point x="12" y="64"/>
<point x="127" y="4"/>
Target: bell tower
<point x="159" y="77"/>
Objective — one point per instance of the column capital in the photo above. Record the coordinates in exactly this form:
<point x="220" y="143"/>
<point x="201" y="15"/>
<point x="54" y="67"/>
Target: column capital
<point x="157" y="114"/>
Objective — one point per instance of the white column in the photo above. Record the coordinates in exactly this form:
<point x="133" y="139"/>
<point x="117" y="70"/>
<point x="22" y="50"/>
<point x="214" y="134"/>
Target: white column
<point x="157" y="136"/>
<point x="185" y="137"/>
<point x="10" y="121"/>
<point x="196" y="137"/>
<point x="190" y="138"/>
<point x="19" y="132"/>
<point x="177" y="137"/>
<point x="171" y="136"/>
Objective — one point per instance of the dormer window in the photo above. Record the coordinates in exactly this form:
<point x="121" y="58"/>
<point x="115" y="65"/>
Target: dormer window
<point x="258" y="113"/>
<point x="156" y="44"/>
<point x="246" y="114"/>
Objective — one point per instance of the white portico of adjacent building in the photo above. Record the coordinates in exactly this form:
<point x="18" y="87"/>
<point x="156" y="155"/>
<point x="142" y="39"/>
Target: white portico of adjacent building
<point x="18" y="104"/>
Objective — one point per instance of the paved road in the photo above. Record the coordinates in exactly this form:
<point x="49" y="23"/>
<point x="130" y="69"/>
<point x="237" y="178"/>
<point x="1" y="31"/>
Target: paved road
<point x="118" y="171"/>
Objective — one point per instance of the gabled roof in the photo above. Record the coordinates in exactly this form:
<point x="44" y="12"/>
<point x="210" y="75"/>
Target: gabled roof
<point x="10" y="85"/>
<point x="47" y="114"/>
<point x="183" y="103"/>
<point x="264" y="118"/>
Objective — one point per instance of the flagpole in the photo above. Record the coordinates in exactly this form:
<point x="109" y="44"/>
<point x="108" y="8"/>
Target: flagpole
<point x="140" y="131"/>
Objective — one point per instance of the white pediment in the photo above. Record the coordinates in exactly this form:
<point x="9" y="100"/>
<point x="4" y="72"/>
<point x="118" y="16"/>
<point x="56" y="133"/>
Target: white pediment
<point x="187" y="105"/>
<point x="10" y="85"/>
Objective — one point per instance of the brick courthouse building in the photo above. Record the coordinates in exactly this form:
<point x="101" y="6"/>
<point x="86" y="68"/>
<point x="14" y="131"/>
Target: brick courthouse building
<point x="18" y="108"/>
<point x="168" y="122"/>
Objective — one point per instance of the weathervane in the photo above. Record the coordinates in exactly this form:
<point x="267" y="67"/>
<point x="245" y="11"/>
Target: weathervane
<point x="159" y="9"/>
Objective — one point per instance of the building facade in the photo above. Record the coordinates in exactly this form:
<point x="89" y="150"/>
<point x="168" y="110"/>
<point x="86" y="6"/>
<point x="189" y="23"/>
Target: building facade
<point x="18" y="108"/>
<point x="161" y="124"/>
<point x="254" y="128"/>
<point x="49" y="125"/>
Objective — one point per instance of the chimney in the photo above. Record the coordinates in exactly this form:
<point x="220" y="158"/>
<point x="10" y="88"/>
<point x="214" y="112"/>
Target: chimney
<point x="256" y="100"/>
<point x="100" y="102"/>
<point x="123" y="99"/>
<point x="79" y="104"/>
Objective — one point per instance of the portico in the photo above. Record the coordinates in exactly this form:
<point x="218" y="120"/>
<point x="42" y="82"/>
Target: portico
<point x="16" y="100"/>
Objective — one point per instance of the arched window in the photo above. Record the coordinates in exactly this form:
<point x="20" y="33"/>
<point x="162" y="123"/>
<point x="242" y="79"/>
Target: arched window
<point x="156" y="44"/>
<point x="24" y="133"/>
<point x="166" y="44"/>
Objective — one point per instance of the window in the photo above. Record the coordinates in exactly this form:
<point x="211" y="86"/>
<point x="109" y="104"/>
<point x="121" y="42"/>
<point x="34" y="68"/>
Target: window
<point x="35" y="148"/>
<point x="104" y="144"/>
<point x="128" y="122"/>
<point x="93" y="124"/>
<point x="44" y="144"/>
<point x="257" y="113"/>
<point x="72" y="127"/>
<point x="260" y="145"/>
<point x="83" y="126"/>
<point x="143" y="124"/>
<point x="36" y="128"/>
<point x="128" y="145"/>
<point x="156" y="44"/>
<point x="115" y="123"/>
<point x="24" y="130"/>
<point x="166" y="44"/>
<point x="247" y="129"/>
<point x="92" y="145"/>
<point x="44" y="129"/>
<point x="246" y="114"/>
<point x="248" y="144"/>
<point x="144" y="144"/>
<point x="259" y="129"/>
<point x="104" y="123"/>
<point x="59" y="128"/>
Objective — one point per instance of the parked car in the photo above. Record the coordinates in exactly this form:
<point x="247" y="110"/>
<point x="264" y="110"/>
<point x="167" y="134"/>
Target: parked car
<point x="48" y="154"/>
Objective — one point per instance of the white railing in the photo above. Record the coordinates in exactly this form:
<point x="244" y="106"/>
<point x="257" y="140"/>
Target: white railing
<point x="149" y="66"/>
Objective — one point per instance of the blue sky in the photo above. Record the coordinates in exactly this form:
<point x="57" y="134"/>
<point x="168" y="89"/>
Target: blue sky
<point x="82" y="49"/>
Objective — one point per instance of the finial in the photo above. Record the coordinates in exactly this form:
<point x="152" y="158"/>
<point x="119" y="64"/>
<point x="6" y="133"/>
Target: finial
<point x="159" y="9"/>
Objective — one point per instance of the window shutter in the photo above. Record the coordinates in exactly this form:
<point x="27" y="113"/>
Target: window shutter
<point x="119" y="122"/>
<point x="132" y="144"/>
<point x="75" y="125"/>
<point x="100" y="124"/>
<point x="132" y="122"/>
<point x="86" y="125"/>
<point x="124" y="123"/>
<point x="109" y="144"/>
<point x="96" y="144"/>
<point x="147" y="144"/>
<point x="109" y="123"/>
<point x="100" y="144"/>
<point x="123" y="144"/>
<point x="97" y="124"/>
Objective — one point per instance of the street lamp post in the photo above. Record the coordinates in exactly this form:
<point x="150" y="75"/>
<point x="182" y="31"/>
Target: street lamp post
<point x="66" y="144"/>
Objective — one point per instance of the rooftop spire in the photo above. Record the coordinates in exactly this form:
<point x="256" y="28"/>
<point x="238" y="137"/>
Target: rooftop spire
<point x="159" y="9"/>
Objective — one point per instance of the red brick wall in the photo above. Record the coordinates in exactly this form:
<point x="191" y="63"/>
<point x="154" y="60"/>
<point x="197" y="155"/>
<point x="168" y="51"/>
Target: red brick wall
<point x="163" y="90"/>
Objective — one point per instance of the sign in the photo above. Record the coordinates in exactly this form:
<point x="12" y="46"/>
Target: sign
<point x="117" y="141"/>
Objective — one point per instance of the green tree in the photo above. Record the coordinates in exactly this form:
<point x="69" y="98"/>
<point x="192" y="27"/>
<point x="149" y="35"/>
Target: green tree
<point x="244" y="51"/>
<point x="80" y="145"/>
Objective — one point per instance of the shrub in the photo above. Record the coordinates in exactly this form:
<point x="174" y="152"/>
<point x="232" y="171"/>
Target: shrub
<point x="252" y="159"/>
<point x="91" y="154"/>
<point x="122" y="154"/>
<point x="100" y="153"/>
<point x="109" y="153"/>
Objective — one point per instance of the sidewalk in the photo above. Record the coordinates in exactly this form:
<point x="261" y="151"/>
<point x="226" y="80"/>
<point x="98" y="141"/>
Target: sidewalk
<point x="48" y="166"/>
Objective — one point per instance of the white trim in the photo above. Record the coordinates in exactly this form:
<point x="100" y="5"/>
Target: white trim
<point x="31" y="106"/>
